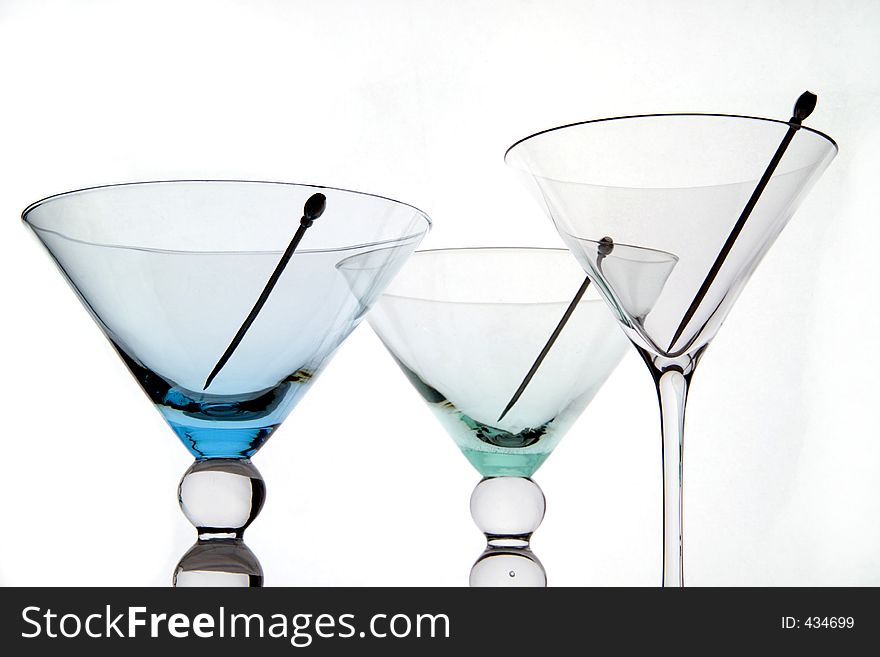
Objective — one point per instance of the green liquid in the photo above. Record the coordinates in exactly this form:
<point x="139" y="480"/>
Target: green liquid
<point x="494" y="464"/>
<point x="495" y="452"/>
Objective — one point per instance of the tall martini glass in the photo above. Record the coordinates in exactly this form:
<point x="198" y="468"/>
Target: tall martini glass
<point x="225" y="305"/>
<point x="713" y="190"/>
<point x="465" y="325"/>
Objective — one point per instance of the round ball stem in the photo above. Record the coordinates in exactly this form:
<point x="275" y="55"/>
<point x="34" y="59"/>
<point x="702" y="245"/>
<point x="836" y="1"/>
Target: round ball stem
<point x="507" y="510"/>
<point x="221" y="498"/>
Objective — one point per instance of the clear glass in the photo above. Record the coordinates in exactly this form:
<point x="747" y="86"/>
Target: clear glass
<point x="465" y="326"/>
<point x="170" y="270"/>
<point x="689" y="204"/>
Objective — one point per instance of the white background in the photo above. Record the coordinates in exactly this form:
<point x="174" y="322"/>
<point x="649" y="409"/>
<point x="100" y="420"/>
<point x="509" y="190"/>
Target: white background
<point x="418" y="101"/>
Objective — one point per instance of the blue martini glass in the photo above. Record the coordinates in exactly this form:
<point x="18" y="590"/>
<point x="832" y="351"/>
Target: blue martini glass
<point x="171" y="270"/>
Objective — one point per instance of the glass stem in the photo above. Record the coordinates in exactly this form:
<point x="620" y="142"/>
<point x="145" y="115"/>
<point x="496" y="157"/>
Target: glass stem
<point x="672" y="389"/>
<point x="220" y="497"/>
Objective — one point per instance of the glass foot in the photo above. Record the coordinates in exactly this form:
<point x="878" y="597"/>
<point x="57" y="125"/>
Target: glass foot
<point x="219" y="562"/>
<point x="508" y="567"/>
<point x="221" y="498"/>
<point x="508" y="510"/>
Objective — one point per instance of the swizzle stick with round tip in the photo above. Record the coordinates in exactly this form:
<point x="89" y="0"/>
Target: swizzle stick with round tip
<point x="804" y="106"/>
<point x="606" y="245"/>
<point x="314" y="207"/>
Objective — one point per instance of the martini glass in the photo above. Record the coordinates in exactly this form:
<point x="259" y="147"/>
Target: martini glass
<point x="697" y="186"/>
<point x="171" y="270"/>
<point x="465" y="325"/>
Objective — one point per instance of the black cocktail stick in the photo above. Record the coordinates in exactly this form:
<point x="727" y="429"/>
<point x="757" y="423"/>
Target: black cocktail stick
<point x="313" y="208"/>
<point x="606" y="244"/>
<point x="802" y="109"/>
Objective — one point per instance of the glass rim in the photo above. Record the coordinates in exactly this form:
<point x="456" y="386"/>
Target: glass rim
<point x="74" y="192"/>
<point x="667" y="115"/>
<point x="497" y="249"/>
<point x="670" y="255"/>
<point x="635" y="247"/>
<point x="559" y="249"/>
<point x="240" y="252"/>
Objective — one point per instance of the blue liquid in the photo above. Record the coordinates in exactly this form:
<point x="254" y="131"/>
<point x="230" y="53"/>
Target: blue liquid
<point x="220" y="442"/>
<point x="220" y="426"/>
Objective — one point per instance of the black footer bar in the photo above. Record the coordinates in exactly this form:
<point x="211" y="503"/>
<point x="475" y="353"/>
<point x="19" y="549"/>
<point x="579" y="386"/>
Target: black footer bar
<point x="431" y="621"/>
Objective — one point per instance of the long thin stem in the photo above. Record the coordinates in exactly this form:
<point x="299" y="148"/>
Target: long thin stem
<point x="672" y="389"/>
